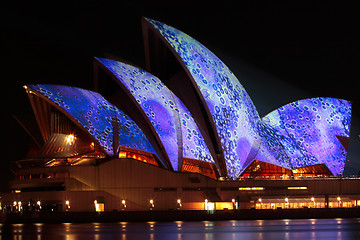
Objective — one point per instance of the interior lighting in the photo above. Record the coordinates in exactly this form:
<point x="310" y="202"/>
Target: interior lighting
<point x="70" y="139"/>
<point x="251" y="188"/>
<point x="297" y="188"/>
<point x="256" y="168"/>
<point x="209" y="206"/>
<point x="122" y="154"/>
<point x="99" y="206"/>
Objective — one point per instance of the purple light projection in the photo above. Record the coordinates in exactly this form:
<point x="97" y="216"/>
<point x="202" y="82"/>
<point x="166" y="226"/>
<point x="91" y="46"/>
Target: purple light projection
<point x="169" y="117"/>
<point x="96" y="115"/>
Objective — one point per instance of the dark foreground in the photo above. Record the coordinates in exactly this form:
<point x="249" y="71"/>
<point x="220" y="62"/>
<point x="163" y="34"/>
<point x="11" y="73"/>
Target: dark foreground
<point x="141" y="216"/>
<point x="292" y="229"/>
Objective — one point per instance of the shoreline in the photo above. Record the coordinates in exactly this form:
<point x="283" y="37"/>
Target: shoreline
<point x="178" y="215"/>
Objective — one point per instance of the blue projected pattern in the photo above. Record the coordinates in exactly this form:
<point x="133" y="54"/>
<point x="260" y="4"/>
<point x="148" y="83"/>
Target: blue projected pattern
<point x="271" y="149"/>
<point x="97" y="116"/>
<point x="194" y="145"/>
<point x="170" y="118"/>
<point x="231" y="108"/>
<point x="299" y="134"/>
<point x="308" y="130"/>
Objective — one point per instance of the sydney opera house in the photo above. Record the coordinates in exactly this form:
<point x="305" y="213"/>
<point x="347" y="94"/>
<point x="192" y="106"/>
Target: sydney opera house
<point x="184" y="134"/>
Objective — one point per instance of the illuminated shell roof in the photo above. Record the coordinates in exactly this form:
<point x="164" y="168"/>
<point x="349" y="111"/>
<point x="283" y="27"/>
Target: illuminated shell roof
<point x="171" y="120"/>
<point x="309" y="129"/>
<point x="96" y="115"/>
<point x="301" y="133"/>
<point x="233" y="114"/>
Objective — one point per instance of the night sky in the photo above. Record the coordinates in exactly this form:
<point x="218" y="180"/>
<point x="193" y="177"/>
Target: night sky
<point x="279" y="52"/>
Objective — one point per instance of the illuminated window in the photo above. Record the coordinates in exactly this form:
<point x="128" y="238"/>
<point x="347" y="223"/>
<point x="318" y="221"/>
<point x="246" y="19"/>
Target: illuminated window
<point x="137" y="155"/>
<point x="197" y="166"/>
<point x="209" y="206"/>
<point x="122" y="154"/>
<point x="99" y="207"/>
<point x="251" y="188"/>
<point x="297" y="188"/>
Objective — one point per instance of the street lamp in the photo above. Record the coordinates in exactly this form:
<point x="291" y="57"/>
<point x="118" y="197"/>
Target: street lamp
<point x="260" y="201"/>
<point x="151" y="204"/>
<point x="313" y="200"/>
<point x="339" y="200"/>
<point x="286" y="202"/>
<point x="38" y="206"/>
<point x="96" y="205"/>
<point x="234" y="203"/>
<point x="205" y="204"/>
<point x="67" y="204"/>
<point x="178" y="204"/>
<point x="123" y="204"/>
<point x="19" y="203"/>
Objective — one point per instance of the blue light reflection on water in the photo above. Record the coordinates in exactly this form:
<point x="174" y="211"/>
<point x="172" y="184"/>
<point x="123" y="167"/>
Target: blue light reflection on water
<point x="227" y="230"/>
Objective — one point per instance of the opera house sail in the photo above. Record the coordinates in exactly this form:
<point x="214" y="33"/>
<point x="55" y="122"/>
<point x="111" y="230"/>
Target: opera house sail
<point x="312" y="131"/>
<point x="168" y="116"/>
<point x="105" y="126"/>
<point x="296" y="135"/>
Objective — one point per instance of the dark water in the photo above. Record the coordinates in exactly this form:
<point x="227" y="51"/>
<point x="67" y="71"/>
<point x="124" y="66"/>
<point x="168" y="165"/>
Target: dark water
<point x="261" y="229"/>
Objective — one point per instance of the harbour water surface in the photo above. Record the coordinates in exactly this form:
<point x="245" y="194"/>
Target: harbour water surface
<point x="305" y="229"/>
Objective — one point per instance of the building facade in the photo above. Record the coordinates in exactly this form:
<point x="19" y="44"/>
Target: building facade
<point x="131" y="185"/>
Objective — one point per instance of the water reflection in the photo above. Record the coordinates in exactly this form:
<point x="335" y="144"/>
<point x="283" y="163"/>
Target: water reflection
<point x="208" y="230"/>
